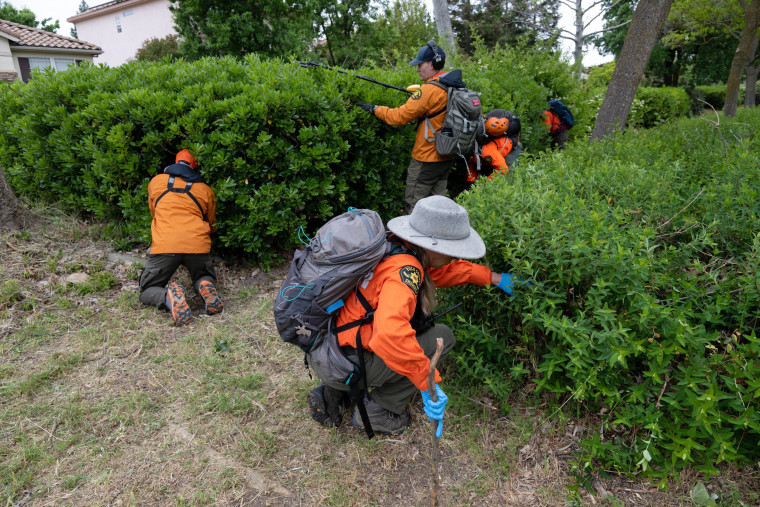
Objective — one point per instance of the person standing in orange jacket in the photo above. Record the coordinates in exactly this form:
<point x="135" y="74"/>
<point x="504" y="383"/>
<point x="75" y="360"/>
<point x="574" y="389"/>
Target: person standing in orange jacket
<point x="557" y="130"/>
<point x="183" y="208"/>
<point x="428" y="172"/>
<point x="400" y="340"/>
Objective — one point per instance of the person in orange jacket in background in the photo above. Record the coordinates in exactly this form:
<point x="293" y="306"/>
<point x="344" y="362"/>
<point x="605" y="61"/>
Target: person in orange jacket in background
<point x="400" y="340"/>
<point x="557" y="130"/>
<point x="428" y="172"/>
<point x="495" y="151"/>
<point x="183" y="208"/>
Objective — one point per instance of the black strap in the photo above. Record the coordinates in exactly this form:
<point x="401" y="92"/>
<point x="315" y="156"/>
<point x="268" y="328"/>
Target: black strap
<point x="186" y="190"/>
<point x="357" y="395"/>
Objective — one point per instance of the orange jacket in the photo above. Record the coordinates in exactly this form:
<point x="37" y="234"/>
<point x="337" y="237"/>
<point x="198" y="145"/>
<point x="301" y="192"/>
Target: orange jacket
<point x="494" y="152"/>
<point x="427" y="100"/>
<point x="178" y="225"/>
<point x="392" y="289"/>
<point x="553" y="122"/>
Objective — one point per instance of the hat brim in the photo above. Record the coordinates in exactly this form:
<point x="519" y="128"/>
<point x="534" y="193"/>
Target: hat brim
<point x="417" y="61"/>
<point x="472" y="247"/>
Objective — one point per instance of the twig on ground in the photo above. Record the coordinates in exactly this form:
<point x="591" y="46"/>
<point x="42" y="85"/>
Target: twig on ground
<point x="684" y="209"/>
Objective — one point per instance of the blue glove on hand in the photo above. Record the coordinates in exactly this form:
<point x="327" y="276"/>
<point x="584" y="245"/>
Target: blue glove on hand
<point x="506" y="283"/>
<point x="435" y="410"/>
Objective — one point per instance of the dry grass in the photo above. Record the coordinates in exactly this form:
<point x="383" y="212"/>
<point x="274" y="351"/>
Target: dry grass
<point x="105" y="402"/>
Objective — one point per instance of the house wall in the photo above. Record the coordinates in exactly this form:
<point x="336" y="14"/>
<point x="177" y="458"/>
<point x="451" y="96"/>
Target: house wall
<point x="8" y="71"/>
<point x="147" y="19"/>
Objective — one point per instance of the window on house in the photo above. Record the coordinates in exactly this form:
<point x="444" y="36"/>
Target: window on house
<point x="64" y="63"/>
<point x="39" y="63"/>
<point x="118" y="24"/>
<point x="128" y="13"/>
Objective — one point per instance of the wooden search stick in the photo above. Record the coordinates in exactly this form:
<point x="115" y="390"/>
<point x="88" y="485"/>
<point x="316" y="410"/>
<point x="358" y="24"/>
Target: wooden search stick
<point x="434" y="398"/>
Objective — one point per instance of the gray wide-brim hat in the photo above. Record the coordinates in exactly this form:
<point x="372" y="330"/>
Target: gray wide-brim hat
<point x="441" y="225"/>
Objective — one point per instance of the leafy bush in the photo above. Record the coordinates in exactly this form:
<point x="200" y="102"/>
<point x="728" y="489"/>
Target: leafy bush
<point x="715" y="95"/>
<point x="653" y="106"/>
<point x="642" y="252"/>
<point x="281" y="145"/>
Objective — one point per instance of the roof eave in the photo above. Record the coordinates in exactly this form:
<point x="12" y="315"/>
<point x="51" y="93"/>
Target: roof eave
<point x="59" y="50"/>
<point x="95" y="12"/>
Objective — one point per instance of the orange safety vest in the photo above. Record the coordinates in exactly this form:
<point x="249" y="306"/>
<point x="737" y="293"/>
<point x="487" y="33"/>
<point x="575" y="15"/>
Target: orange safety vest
<point x="183" y="218"/>
<point x="552" y="121"/>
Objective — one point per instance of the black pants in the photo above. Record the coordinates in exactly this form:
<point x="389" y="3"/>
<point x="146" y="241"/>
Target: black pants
<point x="160" y="268"/>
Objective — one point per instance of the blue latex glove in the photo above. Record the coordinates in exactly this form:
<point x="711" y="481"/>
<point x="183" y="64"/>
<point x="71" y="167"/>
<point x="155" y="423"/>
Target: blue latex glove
<point x="506" y="283"/>
<point x="435" y="410"/>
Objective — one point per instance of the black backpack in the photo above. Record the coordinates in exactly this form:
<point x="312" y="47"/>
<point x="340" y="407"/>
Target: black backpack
<point x="562" y="112"/>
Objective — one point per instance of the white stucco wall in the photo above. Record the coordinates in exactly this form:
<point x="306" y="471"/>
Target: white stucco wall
<point x="6" y="60"/>
<point x="147" y="19"/>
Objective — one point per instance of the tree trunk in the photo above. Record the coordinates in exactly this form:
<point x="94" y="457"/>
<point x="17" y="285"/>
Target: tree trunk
<point x="741" y="57"/>
<point x="13" y="215"/>
<point x="443" y="24"/>
<point x="578" y="43"/>
<point x="752" y="71"/>
<point x="648" y="20"/>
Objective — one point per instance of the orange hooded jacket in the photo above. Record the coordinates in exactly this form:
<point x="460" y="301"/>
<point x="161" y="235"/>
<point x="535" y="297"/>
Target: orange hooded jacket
<point x="427" y="100"/>
<point x="392" y="289"/>
<point x="178" y="225"/>
<point x="494" y="152"/>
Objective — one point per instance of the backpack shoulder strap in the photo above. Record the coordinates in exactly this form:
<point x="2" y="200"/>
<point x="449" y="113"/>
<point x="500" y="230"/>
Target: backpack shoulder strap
<point x="186" y="190"/>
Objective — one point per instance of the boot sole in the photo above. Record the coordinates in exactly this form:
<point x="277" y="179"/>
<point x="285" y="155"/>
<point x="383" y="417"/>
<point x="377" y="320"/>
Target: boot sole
<point x="319" y="410"/>
<point x="211" y="298"/>
<point x="178" y="305"/>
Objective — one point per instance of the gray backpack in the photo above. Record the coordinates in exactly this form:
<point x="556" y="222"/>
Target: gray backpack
<point x="321" y="276"/>
<point x="464" y="119"/>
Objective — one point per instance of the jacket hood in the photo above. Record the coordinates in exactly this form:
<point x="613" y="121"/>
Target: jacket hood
<point x="185" y="172"/>
<point x="453" y="79"/>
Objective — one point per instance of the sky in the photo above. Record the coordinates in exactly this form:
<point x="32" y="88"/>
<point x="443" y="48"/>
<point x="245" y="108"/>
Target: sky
<point x="62" y="9"/>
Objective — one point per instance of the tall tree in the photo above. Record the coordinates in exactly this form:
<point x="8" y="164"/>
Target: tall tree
<point x="580" y="36"/>
<point x="744" y="52"/>
<point x="347" y="28"/>
<point x="504" y="23"/>
<point x="83" y="7"/>
<point x="443" y="24"/>
<point x="26" y="17"/>
<point x="239" y="27"/>
<point x="648" y="20"/>
<point x="408" y="26"/>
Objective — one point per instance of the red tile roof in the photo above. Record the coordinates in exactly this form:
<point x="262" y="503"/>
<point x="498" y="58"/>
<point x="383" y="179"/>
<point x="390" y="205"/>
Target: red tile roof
<point x="29" y="37"/>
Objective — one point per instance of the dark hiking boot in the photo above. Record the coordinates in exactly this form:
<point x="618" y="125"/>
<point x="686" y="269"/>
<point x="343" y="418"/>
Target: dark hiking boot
<point x="327" y="405"/>
<point x="175" y="298"/>
<point x="382" y="421"/>
<point x="208" y="292"/>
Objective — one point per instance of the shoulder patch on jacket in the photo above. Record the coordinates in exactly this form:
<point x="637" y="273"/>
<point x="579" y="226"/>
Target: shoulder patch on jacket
<point x="417" y="94"/>
<point x="412" y="277"/>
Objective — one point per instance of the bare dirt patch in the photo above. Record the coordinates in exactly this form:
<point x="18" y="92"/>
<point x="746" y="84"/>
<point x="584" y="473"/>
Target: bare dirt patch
<point x="105" y="402"/>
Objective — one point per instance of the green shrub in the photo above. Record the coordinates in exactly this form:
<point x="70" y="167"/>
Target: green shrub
<point x="653" y="106"/>
<point x="715" y="95"/>
<point x="642" y="252"/>
<point x="281" y="145"/>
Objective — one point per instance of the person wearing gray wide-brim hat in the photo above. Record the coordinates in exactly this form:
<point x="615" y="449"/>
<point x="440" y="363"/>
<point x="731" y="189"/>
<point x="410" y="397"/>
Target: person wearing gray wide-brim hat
<point x="398" y="342"/>
<point x="439" y="224"/>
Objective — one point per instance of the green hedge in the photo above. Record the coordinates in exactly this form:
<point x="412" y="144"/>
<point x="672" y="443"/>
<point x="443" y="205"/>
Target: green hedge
<point x="281" y="145"/>
<point x="715" y="95"/>
<point x="653" y="106"/>
<point x="642" y="252"/>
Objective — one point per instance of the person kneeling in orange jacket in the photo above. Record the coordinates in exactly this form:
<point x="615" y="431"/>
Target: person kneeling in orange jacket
<point x="400" y="340"/>
<point x="184" y="211"/>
